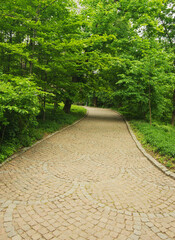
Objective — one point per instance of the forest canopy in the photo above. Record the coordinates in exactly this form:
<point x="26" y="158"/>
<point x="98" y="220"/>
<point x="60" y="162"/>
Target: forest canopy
<point x="99" y="52"/>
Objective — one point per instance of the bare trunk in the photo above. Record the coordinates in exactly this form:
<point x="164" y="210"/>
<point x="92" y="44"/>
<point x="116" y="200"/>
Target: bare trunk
<point x="31" y="64"/>
<point x="23" y="66"/>
<point x="94" y="100"/>
<point x="67" y="105"/>
<point x="31" y="67"/>
<point x="173" y="118"/>
<point x="9" y="56"/>
<point x="9" y="61"/>
<point x="3" y="133"/>
<point x="44" y="108"/>
<point x="56" y="100"/>
<point x="173" y="113"/>
<point x="150" y="114"/>
<point x="21" y="63"/>
<point x="44" y="99"/>
<point x="32" y="43"/>
<point x="55" y="105"/>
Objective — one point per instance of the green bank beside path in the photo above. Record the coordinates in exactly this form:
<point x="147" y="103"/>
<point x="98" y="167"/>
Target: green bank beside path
<point x="158" y="140"/>
<point x="54" y="121"/>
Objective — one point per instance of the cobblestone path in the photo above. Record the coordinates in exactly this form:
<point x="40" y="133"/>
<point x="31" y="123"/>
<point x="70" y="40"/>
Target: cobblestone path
<point x="88" y="182"/>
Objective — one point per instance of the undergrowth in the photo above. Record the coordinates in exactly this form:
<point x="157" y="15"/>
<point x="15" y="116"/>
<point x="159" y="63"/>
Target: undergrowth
<point x="54" y="121"/>
<point x="158" y="139"/>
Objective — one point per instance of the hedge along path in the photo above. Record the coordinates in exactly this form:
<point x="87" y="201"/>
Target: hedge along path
<point x="87" y="182"/>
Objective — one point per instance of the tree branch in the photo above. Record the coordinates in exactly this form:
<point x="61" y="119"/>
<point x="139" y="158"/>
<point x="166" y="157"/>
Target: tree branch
<point x="48" y="5"/>
<point x="166" y="32"/>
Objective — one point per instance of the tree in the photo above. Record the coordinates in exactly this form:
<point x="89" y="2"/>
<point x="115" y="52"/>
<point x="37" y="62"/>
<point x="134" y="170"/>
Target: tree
<point x="140" y="66"/>
<point x="167" y="39"/>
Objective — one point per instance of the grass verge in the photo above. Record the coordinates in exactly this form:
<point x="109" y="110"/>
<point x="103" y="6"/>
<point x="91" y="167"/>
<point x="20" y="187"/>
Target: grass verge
<point x="158" y="140"/>
<point x="54" y="121"/>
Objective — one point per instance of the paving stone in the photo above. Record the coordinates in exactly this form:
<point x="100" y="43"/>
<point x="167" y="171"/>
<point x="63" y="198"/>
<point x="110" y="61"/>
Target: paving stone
<point x="162" y="236"/>
<point x="16" y="238"/>
<point x="87" y="182"/>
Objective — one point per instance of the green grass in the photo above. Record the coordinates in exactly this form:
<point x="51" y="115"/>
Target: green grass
<point x="56" y="120"/>
<point x="158" y="139"/>
<point x="53" y="122"/>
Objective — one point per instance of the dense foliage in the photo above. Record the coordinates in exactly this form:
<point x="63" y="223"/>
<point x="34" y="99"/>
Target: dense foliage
<point x="158" y="139"/>
<point x="140" y="73"/>
<point x="106" y="53"/>
<point x="159" y="136"/>
<point x="52" y="123"/>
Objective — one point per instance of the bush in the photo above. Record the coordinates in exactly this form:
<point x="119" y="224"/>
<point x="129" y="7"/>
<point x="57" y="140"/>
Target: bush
<point x="19" y="107"/>
<point x="27" y="136"/>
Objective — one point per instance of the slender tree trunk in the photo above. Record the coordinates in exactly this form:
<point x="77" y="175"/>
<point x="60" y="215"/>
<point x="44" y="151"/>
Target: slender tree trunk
<point x="150" y="113"/>
<point x="55" y="105"/>
<point x="44" y="108"/>
<point x="56" y="101"/>
<point x="173" y="113"/>
<point x="9" y="56"/>
<point x="22" y="66"/>
<point x="67" y="105"/>
<point x="44" y="99"/>
<point x="3" y="133"/>
<point x="31" y="64"/>
<point x="32" y="43"/>
<point x="94" y="100"/>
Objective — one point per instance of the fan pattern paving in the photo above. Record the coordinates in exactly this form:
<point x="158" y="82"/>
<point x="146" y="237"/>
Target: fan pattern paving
<point x="88" y="182"/>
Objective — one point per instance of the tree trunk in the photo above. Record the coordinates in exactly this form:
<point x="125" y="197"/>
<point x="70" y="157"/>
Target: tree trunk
<point x="67" y="105"/>
<point x="55" y="105"/>
<point x="94" y="100"/>
<point x="9" y="56"/>
<point x="44" y="108"/>
<point x="150" y="117"/>
<point x="173" y="113"/>
<point x="56" y="100"/>
<point x="44" y="100"/>
<point x="32" y="43"/>
<point x="31" y="63"/>
<point x="3" y="133"/>
<point x="23" y="65"/>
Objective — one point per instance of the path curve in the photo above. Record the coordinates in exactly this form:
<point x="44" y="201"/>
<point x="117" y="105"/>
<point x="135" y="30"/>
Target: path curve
<point x="88" y="182"/>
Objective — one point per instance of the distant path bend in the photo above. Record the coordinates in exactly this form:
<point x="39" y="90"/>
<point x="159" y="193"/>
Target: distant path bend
<point x="88" y="182"/>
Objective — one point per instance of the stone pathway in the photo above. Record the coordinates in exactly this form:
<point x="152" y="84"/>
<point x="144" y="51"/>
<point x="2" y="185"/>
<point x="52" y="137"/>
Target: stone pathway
<point x="88" y="182"/>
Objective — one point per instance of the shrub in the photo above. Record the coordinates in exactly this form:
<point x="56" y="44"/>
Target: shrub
<point x="18" y="106"/>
